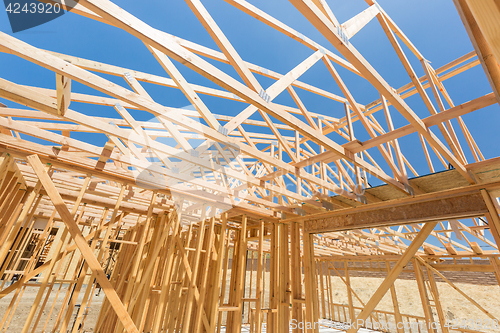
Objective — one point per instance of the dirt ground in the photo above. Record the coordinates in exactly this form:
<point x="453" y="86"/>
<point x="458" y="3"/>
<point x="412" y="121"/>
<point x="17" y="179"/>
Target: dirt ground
<point x="28" y="298"/>
<point x="455" y="306"/>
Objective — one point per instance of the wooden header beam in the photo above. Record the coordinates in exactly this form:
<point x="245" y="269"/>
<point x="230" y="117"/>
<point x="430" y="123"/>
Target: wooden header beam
<point x="453" y="204"/>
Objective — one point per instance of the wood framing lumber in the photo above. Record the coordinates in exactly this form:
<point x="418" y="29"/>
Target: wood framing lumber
<point x="118" y="16"/>
<point x="161" y="148"/>
<point x="397" y="30"/>
<point x="276" y="88"/>
<point x="361" y="116"/>
<point x="483" y="48"/>
<point x="424" y="294"/>
<point x="393" y="275"/>
<point x="353" y="25"/>
<point x="448" y="134"/>
<point x="223" y="43"/>
<point x="409" y="90"/>
<point x="310" y="281"/>
<point x="17" y="93"/>
<point x="78" y="164"/>
<point x="485" y="13"/>
<point x="41" y="268"/>
<point x="206" y="52"/>
<point x="288" y="31"/>
<point x="63" y="85"/>
<point x="198" y="196"/>
<point x="326" y="28"/>
<point x="186" y="88"/>
<point x="493" y="217"/>
<point x="444" y="205"/>
<point x="432" y="120"/>
<point x="82" y="245"/>
<point x="395" y="303"/>
<point x="456" y="288"/>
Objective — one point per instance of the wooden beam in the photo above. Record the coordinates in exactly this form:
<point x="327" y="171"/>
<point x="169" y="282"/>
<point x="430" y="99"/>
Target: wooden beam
<point x="393" y="275"/>
<point x="424" y="295"/>
<point x="326" y="28"/>
<point x="493" y="217"/>
<point x="167" y="44"/>
<point x="82" y="245"/>
<point x="459" y="110"/>
<point x="395" y="303"/>
<point x="355" y="24"/>
<point x="483" y="47"/>
<point x="63" y="85"/>
<point x="310" y="281"/>
<point x="424" y="208"/>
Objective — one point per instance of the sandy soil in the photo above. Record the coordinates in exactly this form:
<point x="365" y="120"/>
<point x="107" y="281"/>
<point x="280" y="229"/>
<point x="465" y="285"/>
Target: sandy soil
<point x="27" y="299"/>
<point x="455" y="306"/>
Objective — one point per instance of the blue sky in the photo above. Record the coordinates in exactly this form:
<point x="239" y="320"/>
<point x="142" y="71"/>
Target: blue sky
<point x="433" y="26"/>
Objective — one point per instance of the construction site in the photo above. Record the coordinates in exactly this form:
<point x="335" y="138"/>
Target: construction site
<point x="251" y="166"/>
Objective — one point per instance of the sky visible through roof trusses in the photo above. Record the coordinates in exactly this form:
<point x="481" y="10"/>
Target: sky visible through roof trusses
<point x="433" y="26"/>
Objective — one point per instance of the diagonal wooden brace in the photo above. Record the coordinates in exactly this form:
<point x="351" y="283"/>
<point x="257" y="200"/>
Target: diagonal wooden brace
<point x="393" y="275"/>
<point x="81" y="243"/>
